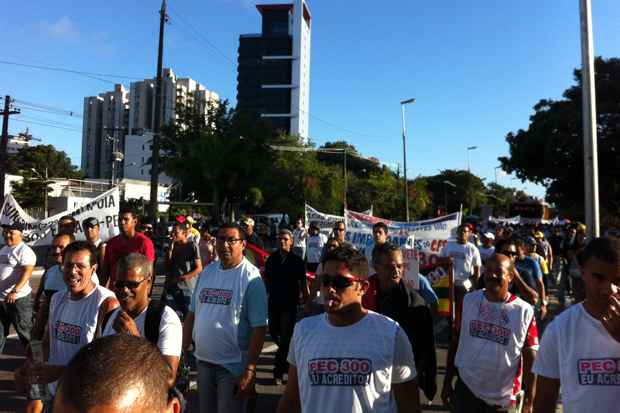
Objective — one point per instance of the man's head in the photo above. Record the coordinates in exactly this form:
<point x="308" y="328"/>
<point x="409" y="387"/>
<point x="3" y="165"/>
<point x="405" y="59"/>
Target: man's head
<point x="332" y="243"/>
<point x="91" y="229"/>
<point x="229" y="244"/>
<point x="539" y="235"/>
<point x="133" y="282"/>
<point x="557" y="230"/>
<point x="190" y="221"/>
<point x="180" y="231"/>
<point x="463" y="233"/>
<point x="79" y="264"/>
<point x="340" y="230"/>
<point x="285" y="241"/>
<point x="498" y="274"/>
<point x="67" y="224"/>
<point x="13" y="233"/>
<point x="127" y="219"/>
<point x="380" y="233"/>
<point x="487" y="239"/>
<point x="59" y="243"/>
<point x="508" y="248"/>
<point x="247" y="224"/>
<point x="530" y="244"/>
<point x="116" y="374"/>
<point x="522" y="249"/>
<point x="572" y="231"/>
<point x="299" y="223"/>
<point x="314" y="229"/>
<point x="344" y="279"/>
<point x="387" y="260"/>
<point x="600" y="268"/>
<point x="500" y="233"/>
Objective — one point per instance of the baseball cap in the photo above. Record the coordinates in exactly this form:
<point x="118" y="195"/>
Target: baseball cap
<point x="530" y="241"/>
<point x="182" y="225"/>
<point x="190" y="219"/>
<point x="489" y="235"/>
<point x="539" y="234"/>
<point x="90" y="222"/>
<point x="248" y="221"/>
<point x="16" y="226"/>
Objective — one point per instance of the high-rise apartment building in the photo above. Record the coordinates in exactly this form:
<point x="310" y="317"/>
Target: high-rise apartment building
<point x="103" y="130"/>
<point x="123" y="122"/>
<point x="274" y="68"/>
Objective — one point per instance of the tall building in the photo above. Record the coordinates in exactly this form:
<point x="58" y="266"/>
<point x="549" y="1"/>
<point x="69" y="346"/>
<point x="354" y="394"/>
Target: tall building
<point x="123" y="122"/>
<point x="103" y="130"/>
<point x="274" y="68"/>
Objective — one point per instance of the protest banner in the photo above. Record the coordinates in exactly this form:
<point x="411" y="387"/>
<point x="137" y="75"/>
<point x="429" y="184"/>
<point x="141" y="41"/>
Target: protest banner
<point x="325" y="221"/>
<point x="104" y="207"/>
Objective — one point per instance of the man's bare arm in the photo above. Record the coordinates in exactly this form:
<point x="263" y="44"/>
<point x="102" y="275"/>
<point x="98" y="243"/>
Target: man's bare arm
<point x="407" y="396"/>
<point x="290" y="401"/>
<point x="547" y="391"/>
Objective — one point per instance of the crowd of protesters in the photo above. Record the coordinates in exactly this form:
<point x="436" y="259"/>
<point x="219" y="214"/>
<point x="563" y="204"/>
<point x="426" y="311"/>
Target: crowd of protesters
<point x="352" y="333"/>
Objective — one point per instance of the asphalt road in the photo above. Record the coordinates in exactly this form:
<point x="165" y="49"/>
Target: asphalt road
<point x="268" y="392"/>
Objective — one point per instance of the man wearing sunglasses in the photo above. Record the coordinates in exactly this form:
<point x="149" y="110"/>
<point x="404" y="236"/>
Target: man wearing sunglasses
<point x="132" y="286"/>
<point x="73" y="313"/>
<point x="349" y="359"/>
<point x="339" y="232"/>
<point x="227" y="321"/>
<point x="519" y="286"/>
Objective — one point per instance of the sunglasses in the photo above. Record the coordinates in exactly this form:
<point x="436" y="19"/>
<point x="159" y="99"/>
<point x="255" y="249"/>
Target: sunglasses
<point x="132" y="285"/>
<point x="339" y="229"/>
<point x="509" y="253"/>
<point x="339" y="282"/>
<point x="229" y="241"/>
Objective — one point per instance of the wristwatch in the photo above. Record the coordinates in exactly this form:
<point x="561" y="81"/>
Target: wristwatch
<point x="544" y="302"/>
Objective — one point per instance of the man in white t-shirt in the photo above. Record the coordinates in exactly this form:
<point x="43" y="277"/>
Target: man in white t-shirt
<point x="580" y="350"/>
<point x="349" y="359"/>
<point x="465" y="258"/>
<point x="300" y="235"/>
<point x="314" y="248"/>
<point x="17" y="260"/>
<point x="227" y="321"/>
<point x="493" y="346"/>
<point x="72" y="316"/>
<point x="487" y="249"/>
<point x="132" y="286"/>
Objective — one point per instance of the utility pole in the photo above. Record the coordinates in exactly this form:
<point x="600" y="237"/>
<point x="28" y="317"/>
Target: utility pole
<point x="344" y="172"/>
<point x="5" y="140"/>
<point x="157" y="118"/>
<point x="588" y="99"/>
<point x="402" y="109"/>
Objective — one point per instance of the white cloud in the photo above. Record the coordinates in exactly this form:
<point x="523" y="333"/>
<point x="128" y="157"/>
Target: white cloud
<point x="64" y="28"/>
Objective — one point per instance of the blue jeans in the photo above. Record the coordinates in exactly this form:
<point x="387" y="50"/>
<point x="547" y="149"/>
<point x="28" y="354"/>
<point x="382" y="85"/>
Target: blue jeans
<point x="216" y="388"/>
<point x="19" y="314"/>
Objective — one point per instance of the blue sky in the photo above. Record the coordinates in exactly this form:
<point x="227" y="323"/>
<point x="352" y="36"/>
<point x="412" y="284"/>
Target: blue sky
<point x="476" y="68"/>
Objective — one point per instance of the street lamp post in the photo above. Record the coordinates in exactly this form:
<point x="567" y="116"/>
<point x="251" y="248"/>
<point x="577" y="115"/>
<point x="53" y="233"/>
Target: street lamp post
<point x="402" y="108"/>
<point x="469" y="148"/>
<point x="445" y="193"/>
<point x="496" y="168"/>
<point x="588" y="97"/>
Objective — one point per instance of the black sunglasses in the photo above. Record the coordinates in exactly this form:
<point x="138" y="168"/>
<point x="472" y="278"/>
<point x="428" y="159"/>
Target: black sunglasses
<point x="509" y="253"/>
<point x="132" y="285"/>
<point x="338" y="282"/>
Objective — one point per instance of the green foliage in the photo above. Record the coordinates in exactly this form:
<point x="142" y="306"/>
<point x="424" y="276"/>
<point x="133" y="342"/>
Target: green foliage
<point x="466" y="189"/>
<point x="550" y="151"/>
<point x="30" y="193"/>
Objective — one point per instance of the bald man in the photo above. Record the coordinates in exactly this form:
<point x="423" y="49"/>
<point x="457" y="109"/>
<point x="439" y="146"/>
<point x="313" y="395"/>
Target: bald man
<point x="116" y="374"/>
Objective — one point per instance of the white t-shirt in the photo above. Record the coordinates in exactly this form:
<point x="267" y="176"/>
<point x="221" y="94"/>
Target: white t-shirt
<point x="12" y="259"/>
<point x="351" y="368"/>
<point x="577" y="350"/>
<point x="315" y="247"/>
<point x="72" y="324"/>
<point x="170" y="330"/>
<point x="299" y="240"/>
<point x="465" y="257"/>
<point x="492" y="337"/>
<point x="219" y="298"/>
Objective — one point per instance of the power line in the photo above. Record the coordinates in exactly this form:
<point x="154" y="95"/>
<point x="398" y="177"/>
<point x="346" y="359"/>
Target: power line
<point x="47" y="125"/>
<point x="46" y="108"/>
<point x="200" y="36"/>
<point x="49" y="121"/>
<point x="92" y="75"/>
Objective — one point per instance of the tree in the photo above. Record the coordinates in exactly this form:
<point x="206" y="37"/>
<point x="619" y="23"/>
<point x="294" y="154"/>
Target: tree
<point x="31" y="162"/>
<point x="457" y="187"/>
<point x="221" y="157"/>
<point x="550" y="151"/>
